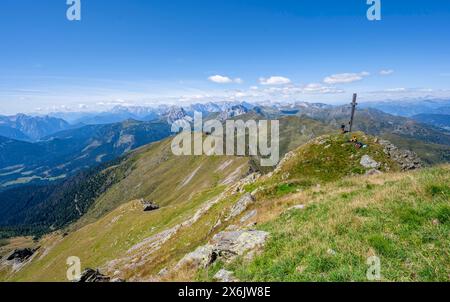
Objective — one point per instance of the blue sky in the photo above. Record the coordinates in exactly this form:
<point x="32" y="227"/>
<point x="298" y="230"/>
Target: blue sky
<point x="144" y="52"/>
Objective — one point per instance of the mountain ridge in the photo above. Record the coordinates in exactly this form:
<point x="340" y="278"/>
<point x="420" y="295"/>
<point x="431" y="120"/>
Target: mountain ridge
<point x="31" y="128"/>
<point x="69" y="151"/>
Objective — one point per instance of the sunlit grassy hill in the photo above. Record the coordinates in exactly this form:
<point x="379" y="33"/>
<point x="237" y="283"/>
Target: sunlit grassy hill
<point x="402" y="218"/>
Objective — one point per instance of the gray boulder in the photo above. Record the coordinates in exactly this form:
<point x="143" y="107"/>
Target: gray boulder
<point x="225" y="246"/>
<point x="369" y="163"/>
<point x="21" y="255"/>
<point x="93" y="276"/>
<point x="228" y="245"/>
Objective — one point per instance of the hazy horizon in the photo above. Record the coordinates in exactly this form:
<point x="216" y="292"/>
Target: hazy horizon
<point x="109" y="108"/>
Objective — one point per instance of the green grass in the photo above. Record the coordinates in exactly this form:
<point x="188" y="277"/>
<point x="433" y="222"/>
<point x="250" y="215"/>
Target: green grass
<point x="331" y="157"/>
<point x="326" y="159"/>
<point x="285" y="188"/>
<point x="404" y="221"/>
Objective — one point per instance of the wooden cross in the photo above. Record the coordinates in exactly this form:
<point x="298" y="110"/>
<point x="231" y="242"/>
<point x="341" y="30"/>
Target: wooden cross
<point x="354" y="104"/>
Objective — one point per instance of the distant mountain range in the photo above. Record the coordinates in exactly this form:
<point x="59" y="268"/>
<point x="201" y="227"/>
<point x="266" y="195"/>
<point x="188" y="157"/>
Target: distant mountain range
<point x="144" y="113"/>
<point x="30" y="128"/>
<point x="34" y="128"/>
<point x="409" y="108"/>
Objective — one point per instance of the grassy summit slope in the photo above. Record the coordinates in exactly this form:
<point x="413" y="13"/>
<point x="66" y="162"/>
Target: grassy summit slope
<point x="403" y="218"/>
<point x="324" y="159"/>
<point x="330" y="157"/>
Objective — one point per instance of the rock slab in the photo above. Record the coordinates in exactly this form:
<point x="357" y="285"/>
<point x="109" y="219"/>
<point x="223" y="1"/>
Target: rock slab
<point x="243" y="203"/>
<point x="21" y="255"/>
<point x="225" y="246"/>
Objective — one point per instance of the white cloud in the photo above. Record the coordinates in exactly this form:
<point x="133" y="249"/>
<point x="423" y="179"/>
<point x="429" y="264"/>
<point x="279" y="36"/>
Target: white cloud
<point x="117" y="102"/>
<point x="240" y="94"/>
<point x="296" y="91"/>
<point x="343" y="78"/>
<point x="386" y="72"/>
<point x="319" y="88"/>
<point x="400" y="89"/>
<point x="220" y="79"/>
<point x="274" y="80"/>
<point x="224" y="80"/>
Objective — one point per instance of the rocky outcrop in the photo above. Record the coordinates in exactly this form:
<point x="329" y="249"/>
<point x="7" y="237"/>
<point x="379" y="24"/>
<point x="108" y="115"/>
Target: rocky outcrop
<point x="21" y="255"/>
<point x="238" y="187"/>
<point x="93" y="276"/>
<point x="225" y="246"/>
<point x="149" y="205"/>
<point x="407" y="160"/>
